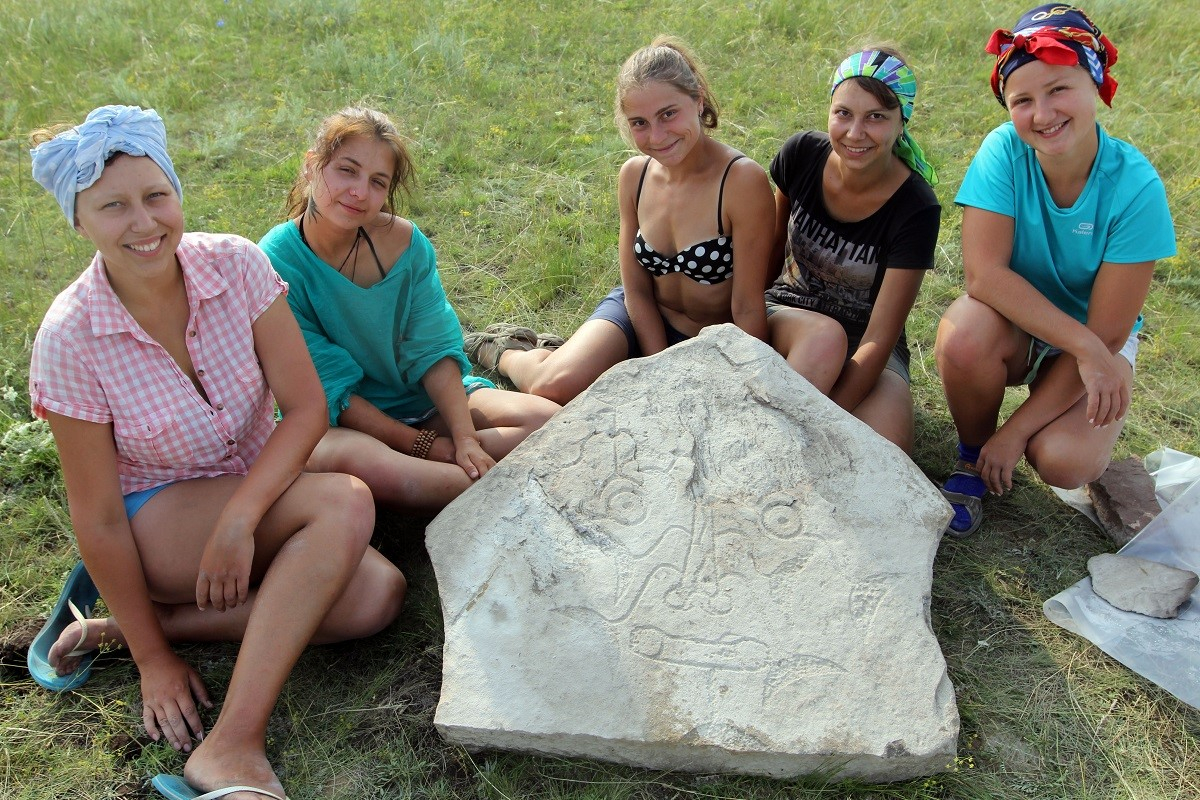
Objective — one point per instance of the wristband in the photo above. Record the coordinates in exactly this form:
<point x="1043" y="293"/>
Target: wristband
<point x="423" y="443"/>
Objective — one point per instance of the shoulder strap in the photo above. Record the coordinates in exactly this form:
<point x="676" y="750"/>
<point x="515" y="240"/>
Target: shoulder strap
<point x="721" y="194"/>
<point x="645" y="167"/>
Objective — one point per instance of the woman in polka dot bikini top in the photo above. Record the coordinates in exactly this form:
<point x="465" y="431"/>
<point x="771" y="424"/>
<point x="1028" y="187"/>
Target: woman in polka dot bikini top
<point x="683" y="203"/>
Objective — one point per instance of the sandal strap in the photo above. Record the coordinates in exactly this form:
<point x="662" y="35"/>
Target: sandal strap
<point x="974" y="507"/>
<point x="82" y="618"/>
<point x="965" y="468"/>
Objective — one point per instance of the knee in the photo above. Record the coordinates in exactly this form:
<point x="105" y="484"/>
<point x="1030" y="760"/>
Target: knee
<point x="387" y="587"/>
<point x="827" y="341"/>
<point x="559" y="387"/>
<point x="1066" y="470"/>
<point x="967" y="334"/>
<point x="537" y="412"/>
<point x="345" y="505"/>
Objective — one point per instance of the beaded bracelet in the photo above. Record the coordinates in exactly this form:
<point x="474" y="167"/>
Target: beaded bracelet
<point x="423" y="443"/>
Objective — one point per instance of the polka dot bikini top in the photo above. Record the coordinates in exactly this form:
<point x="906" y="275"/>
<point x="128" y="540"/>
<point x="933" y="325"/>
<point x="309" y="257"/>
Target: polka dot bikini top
<point x="705" y="262"/>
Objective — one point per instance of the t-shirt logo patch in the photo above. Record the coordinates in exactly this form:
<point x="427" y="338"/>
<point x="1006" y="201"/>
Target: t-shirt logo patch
<point x="1083" y="229"/>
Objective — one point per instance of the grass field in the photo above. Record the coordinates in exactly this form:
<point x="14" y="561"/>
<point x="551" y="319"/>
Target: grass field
<point x="509" y="109"/>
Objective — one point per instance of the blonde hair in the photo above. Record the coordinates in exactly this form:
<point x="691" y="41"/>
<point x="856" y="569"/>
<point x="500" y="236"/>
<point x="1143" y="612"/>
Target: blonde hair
<point x="665" y="60"/>
<point x="349" y="123"/>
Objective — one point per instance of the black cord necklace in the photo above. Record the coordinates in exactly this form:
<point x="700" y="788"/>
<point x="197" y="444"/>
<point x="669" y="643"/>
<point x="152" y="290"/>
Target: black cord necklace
<point x="359" y="236"/>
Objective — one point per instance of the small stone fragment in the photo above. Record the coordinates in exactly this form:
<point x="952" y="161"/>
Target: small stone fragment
<point x="1144" y="587"/>
<point x="1124" y="499"/>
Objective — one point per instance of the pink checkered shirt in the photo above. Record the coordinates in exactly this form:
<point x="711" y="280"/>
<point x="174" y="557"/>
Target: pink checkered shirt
<point x="92" y="361"/>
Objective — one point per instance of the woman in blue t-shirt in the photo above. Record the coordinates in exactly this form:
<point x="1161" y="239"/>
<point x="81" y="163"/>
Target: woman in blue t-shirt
<point x="1061" y="227"/>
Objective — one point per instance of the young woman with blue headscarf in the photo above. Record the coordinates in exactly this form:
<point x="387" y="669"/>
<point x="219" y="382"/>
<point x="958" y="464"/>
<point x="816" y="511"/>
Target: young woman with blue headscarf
<point x="856" y="227"/>
<point x="1061" y="227"/>
<point x="157" y="370"/>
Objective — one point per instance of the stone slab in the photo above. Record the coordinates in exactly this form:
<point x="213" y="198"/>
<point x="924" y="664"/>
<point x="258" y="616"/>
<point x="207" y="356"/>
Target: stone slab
<point x="1136" y="584"/>
<point x="699" y="564"/>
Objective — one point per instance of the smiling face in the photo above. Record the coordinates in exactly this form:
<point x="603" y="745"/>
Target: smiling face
<point x="1053" y="108"/>
<point x="861" y="129"/>
<point x="352" y="188"/>
<point x="132" y="215"/>
<point x="664" y="122"/>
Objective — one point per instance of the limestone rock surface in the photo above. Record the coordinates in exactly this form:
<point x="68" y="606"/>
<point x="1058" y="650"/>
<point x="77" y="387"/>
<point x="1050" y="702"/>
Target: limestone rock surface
<point x="1136" y="584"/>
<point x="700" y="564"/>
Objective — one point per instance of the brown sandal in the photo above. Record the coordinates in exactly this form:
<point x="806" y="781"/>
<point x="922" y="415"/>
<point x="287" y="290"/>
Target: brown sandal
<point x="485" y="347"/>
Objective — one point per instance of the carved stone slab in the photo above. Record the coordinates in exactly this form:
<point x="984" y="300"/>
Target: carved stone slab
<point x="700" y="564"/>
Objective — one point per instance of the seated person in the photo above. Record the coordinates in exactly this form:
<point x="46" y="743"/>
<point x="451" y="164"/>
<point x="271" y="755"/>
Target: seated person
<point x="407" y="417"/>
<point x="683" y="203"/>
<point x="158" y="371"/>
<point x="858" y="222"/>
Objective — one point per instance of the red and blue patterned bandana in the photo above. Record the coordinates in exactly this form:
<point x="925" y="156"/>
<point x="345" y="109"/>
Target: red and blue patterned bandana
<point x="1055" y="34"/>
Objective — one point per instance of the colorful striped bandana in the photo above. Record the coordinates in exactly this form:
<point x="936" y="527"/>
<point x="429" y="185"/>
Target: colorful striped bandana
<point x="897" y="76"/>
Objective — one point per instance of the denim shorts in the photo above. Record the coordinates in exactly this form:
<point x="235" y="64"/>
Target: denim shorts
<point x="1039" y="351"/>
<point x="612" y="309"/>
<point x="897" y="362"/>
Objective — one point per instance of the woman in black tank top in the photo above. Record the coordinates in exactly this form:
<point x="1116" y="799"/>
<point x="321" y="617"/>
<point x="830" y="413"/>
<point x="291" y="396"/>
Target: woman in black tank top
<point x="683" y="202"/>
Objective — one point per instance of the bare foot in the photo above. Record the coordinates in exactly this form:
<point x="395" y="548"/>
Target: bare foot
<point x="99" y="634"/>
<point x="213" y="766"/>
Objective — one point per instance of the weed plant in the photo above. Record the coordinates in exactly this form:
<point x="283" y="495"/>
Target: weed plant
<point x="508" y="106"/>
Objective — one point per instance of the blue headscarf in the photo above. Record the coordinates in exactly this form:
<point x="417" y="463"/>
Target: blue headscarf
<point x="73" y="160"/>
<point x="897" y="76"/>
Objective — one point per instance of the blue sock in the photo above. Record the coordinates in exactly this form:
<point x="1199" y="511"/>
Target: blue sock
<point x="961" y="483"/>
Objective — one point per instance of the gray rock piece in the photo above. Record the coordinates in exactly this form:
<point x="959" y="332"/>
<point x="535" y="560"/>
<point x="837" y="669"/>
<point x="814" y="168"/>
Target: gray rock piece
<point x="700" y="564"/>
<point x="1124" y="499"/>
<point x="1145" y="587"/>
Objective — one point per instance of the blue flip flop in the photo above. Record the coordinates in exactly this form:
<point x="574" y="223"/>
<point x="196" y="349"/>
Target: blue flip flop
<point x="173" y="787"/>
<point x="76" y="601"/>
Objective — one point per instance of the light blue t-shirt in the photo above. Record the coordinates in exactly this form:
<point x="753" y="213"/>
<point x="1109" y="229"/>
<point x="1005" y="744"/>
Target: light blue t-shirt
<point x="1121" y="216"/>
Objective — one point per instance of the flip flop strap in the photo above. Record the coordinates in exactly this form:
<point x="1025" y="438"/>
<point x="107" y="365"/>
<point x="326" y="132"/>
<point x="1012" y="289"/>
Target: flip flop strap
<point x="82" y="618"/>
<point x="228" y="790"/>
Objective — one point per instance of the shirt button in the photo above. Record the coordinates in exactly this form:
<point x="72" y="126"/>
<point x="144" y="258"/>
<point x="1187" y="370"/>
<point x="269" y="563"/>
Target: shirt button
<point x="191" y="333"/>
<point x="220" y="406"/>
<point x="230" y="442"/>
<point x="199" y="373"/>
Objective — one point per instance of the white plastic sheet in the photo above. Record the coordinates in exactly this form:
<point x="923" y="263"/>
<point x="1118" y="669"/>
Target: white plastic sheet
<point x="1165" y="651"/>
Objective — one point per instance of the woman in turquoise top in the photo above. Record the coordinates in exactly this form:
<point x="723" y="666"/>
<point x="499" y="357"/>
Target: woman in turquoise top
<point x="406" y="416"/>
<point x="1061" y="227"/>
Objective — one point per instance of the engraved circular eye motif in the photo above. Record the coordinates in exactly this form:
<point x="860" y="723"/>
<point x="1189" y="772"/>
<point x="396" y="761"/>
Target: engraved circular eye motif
<point x="782" y="519"/>
<point x="621" y="502"/>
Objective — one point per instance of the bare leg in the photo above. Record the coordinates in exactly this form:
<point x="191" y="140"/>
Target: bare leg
<point x="311" y="542"/>
<point x="978" y="354"/>
<point x="503" y="419"/>
<point x="888" y="409"/>
<point x="356" y="614"/>
<point x="559" y="375"/>
<point x="1070" y="452"/>
<point x="813" y="344"/>
<point x="395" y="479"/>
<point x="308" y="548"/>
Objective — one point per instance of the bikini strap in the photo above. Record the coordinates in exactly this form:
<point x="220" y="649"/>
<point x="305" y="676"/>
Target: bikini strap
<point x="645" y="168"/>
<point x="378" y="264"/>
<point x="721" y="195"/>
